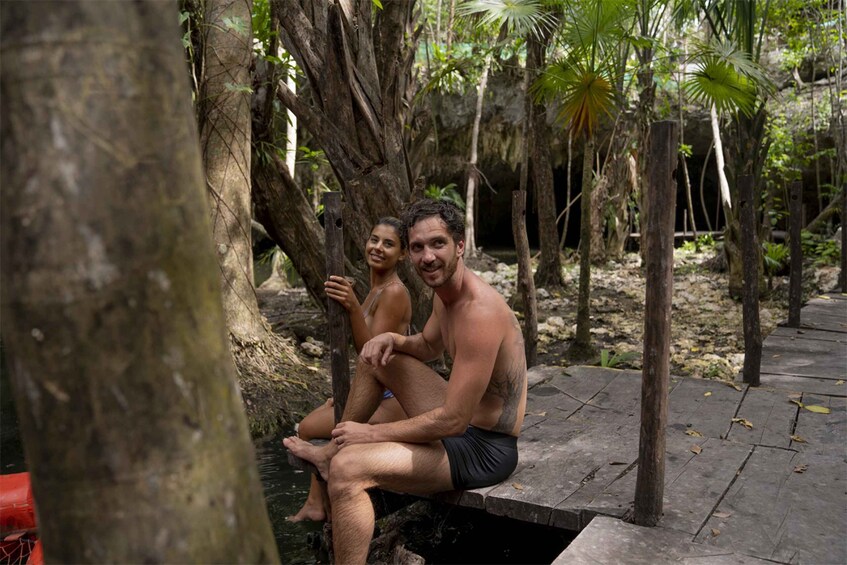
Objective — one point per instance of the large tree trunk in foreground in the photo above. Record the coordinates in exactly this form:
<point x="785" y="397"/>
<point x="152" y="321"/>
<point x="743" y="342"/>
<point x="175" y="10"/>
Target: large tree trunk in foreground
<point x="131" y="419"/>
<point x="224" y="116"/>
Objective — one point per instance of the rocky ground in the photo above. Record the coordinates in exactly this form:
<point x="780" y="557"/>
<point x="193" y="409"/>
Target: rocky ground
<point x="707" y="339"/>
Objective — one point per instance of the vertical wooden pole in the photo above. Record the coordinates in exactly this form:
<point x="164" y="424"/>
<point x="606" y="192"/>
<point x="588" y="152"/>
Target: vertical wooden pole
<point x="658" y="231"/>
<point x="751" y="259"/>
<point x="339" y="329"/>
<point x="526" y="284"/>
<point x="795" y="224"/>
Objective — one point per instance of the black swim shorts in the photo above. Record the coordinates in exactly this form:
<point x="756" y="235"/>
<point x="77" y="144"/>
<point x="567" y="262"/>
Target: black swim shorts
<point x="480" y="458"/>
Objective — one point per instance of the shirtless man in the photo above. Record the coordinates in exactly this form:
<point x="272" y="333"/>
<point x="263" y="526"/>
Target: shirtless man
<point x="460" y="433"/>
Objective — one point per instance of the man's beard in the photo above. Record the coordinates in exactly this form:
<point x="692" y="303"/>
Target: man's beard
<point x="448" y="270"/>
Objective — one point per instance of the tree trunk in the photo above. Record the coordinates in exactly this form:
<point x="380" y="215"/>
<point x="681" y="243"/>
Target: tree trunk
<point x="581" y="349"/>
<point x="224" y="116"/>
<point x="526" y="286"/>
<point x="359" y="74"/>
<point x="136" y="439"/>
<point x="569" y="186"/>
<point x="473" y="173"/>
<point x="620" y="185"/>
<point x="549" y="272"/>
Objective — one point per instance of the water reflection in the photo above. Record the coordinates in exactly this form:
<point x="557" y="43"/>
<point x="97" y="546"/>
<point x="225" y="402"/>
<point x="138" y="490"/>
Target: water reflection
<point x="285" y="492"/>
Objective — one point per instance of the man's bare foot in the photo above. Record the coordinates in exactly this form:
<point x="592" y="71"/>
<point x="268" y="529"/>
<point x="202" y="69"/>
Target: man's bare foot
<point x="309" y="513"/>
<point x="315" y="455"/>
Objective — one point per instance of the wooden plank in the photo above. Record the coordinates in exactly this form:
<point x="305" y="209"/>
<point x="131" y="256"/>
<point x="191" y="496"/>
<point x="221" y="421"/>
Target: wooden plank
<point x="792" y="383"/>
<point x="611" y="541"/>
<point x="694" y="483"/>
<point x="772" y="417"/>
<point x="808" y="358"/>
<point x="544" y="402"/>
<point x="583" y="383"/>
<point x="824" y="433"/>
<point x="827" y="323"/>
<point x="822" y="335"/>
<point x="691" y="409"/>
<point x="694" y="490"/>
<point x="541" y="374"/>
<point x="775" y="513"/>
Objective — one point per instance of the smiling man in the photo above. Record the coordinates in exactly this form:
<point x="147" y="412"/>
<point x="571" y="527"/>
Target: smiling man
<point x="461" y="433"/>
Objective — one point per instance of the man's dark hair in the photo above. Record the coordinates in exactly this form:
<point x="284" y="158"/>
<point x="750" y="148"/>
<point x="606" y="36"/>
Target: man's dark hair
<point x="450" y="214"/>
<point x="398" y="226"/>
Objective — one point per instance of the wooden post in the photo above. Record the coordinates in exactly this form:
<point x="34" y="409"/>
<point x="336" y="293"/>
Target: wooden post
<point x="339" y="324"/>
<point x="658" y="238"/>
<point x="526" y="284"/>
<point x="842" y="277"/>
<point x="795" y="223"/>
<point x="751" y="257"/>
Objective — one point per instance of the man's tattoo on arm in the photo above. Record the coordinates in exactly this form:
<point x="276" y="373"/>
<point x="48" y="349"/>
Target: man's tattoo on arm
<point x="509" y="387"/>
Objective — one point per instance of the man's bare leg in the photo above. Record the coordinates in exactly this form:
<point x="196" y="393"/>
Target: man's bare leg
<point x="403" y="467"/>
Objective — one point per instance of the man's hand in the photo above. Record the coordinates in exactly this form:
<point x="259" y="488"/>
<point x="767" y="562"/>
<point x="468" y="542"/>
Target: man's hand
<point x="351" y="433"/>
<point x="379" y="351"/>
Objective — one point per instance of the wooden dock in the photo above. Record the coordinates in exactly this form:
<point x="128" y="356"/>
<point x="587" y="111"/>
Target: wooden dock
<point x="752" y="474"/>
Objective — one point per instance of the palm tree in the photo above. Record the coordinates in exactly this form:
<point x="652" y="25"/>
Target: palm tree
<point x="583" y="81"/>
<point x="728" y="80"/>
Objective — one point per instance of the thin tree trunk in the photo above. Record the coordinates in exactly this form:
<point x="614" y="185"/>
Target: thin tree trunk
<point x="226" y="141"/>
<point x="450" y="21"/>
<point x="581" y="348"/>
<point x="702" y="187"/>
<point x="473" y="173"/>
<point x="136" y="439"/>
<point x="549" y="273"/>
<point x="686" y="178"/>
<point x="569" y="186"/>
<point x="526" y="286"/>
<point x="719" y="157"/>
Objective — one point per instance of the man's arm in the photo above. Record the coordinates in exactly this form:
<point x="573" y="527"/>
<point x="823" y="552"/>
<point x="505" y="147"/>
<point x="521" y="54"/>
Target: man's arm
<point x="424" y="346"/>
<point x="477" y="344"/>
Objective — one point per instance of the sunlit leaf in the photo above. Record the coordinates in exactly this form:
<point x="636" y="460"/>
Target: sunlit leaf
<point x="722" y="514"/>
<point x="744" y="422"/>
<point x="696" y="449"/>
<point x="817" y="409"/>
<point x="517" y="486"/>
<point x="693" y="433"/>
<point x="707" y="394"/>
<point x="798" y="439"/>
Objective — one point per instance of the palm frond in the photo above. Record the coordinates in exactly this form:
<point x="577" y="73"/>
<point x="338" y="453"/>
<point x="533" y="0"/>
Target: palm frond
<point x="585" y="95"/>
<point x="520" y="17"/>
<point x="716" y="82"/>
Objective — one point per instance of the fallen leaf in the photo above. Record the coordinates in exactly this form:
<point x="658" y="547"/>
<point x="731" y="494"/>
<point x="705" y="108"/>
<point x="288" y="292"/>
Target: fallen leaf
<point x="776" y="356"/>
<point x="839" y="382"/>
<point x="798" y="403"/>
<point x="722" y="514"/>
<point x="517" y="486"/>
<point x="715" y="532"/>
<point x="707" y="394"/>
<point x="693" y="433"/>
<point x="696" y="449"/>
<point x="817" y="409"/>
<point x="801" y="468"/>
<point x="744" y="422"/>
<point x="536" y="414"/>
<point x="798" y="439"/>
<point x="735" y="386"/>
<point x="824" y="297"/>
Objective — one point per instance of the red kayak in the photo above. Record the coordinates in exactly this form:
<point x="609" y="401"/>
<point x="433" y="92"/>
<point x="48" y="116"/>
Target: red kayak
<point x="19" y="541"/>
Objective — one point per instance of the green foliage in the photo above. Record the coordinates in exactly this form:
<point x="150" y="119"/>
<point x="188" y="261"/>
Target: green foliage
<point x="315" y="159"/>
<point x="610" y="359"/>
<point x="447" y="192"/>
<point x="685" y="150"/>
<point x="520" y="17"/>
<point x="775" y="257"/>
<point x="704" y="242"/>
<point x="821" y="250"/>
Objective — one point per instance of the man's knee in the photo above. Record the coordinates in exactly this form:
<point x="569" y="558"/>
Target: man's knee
<point x="346" y="472"/>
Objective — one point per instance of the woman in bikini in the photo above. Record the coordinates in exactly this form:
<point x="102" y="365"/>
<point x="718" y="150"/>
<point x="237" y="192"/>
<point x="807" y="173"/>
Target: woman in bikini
<point x="387" y="308"/>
